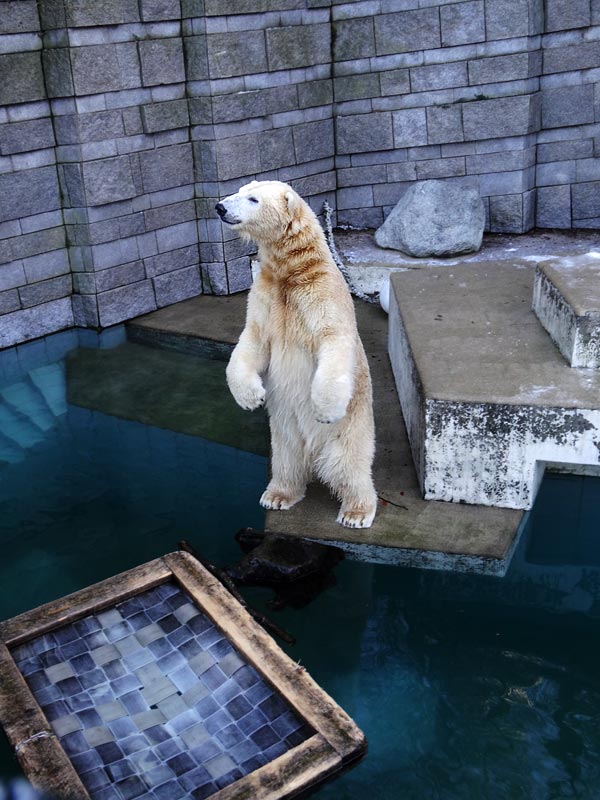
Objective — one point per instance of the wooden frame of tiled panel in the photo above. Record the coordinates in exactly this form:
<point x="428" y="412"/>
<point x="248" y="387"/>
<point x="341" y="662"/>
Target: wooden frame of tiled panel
<point x="337" y="741"/>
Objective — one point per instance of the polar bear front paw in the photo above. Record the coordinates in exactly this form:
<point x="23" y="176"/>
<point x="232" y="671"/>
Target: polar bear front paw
<point x="250" y="395"/>
<point x="279" y="499"/>
<point x="330" y="399"/>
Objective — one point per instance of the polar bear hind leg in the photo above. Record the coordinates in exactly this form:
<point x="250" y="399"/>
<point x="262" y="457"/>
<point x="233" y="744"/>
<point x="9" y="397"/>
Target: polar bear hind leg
<point x="290" y="466"/>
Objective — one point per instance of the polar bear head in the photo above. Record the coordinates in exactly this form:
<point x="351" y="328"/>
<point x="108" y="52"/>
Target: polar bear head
<point x="264" y="210"/>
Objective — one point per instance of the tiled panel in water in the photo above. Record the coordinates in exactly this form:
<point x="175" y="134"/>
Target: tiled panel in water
<point x="149" y="699"/>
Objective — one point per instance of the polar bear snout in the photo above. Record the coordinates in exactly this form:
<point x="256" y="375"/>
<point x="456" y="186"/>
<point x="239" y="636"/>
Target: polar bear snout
<point x="220" y="209"/>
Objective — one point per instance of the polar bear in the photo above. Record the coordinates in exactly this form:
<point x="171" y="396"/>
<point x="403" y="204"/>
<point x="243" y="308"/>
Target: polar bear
<point x="301" y="356"/>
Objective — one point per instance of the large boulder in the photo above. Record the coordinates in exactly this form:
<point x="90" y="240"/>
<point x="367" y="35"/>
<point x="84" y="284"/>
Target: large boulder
<point x="434" y="218"/>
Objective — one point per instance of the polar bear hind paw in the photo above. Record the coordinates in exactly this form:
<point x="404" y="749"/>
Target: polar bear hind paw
<point x="279" y="499"/>
<point x="356" y="518"/>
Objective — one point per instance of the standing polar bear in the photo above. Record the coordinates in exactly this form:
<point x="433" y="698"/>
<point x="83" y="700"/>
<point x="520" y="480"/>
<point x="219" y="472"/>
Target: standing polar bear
<point x="300" y="354"/>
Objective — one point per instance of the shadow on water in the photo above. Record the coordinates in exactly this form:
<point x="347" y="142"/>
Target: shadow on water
<point x="467" y="686"/>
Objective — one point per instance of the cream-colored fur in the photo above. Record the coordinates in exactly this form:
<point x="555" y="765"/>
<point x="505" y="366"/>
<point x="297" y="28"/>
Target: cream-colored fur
<point x="301" y="355"/>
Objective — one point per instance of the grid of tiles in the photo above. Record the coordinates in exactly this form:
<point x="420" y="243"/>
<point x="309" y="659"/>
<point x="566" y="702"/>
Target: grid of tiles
<point x="149" y="699"/>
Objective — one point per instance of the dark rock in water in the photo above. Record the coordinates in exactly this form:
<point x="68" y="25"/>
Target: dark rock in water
<point x="299" y="570"/>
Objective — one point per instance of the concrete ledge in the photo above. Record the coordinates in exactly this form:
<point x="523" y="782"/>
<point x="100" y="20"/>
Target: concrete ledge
<point x="488" y="400"/>
<point x="566" y="300"/>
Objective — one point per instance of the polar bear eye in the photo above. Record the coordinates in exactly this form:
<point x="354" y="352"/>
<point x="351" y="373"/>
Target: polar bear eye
<point x="253" y="199"/>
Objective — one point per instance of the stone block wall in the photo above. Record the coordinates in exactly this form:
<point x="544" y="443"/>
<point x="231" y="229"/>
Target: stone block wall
<point x="123" y="122"/>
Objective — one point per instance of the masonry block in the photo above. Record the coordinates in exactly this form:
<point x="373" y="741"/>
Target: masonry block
<point x="20" y="137"/>
<point x="506" y="213"/>
<point x="276" y="149"/>
<point x="553" y="207"/>
<point x="586" y="200"/>
<point x="171" y="260"/>
<point x="236" y="53"/>
<point x="567" y="106"/>
<point x="313" y="140"/>
<point x="513" y="67"/>
<point x="356" y="87"/>
<point x="438" y="76"/>
<point x="108" y="180"/>
<point x="161" y="61"/>
<point x="19" y="16"/>
<point x="196" y="57"/>
<point x="564" y="150"/>
<point x="238" y="157"/>
<point x="160" y="10"/>
<point x="177" y="286"/>
<point x="298" y="46"/>
<point x="463" y="23"/>
<point x="502" y="116"/>
<point x="502" y="183"/>
<point x="22" y="78"/>
<point x="395" y="81"/>
<point x="120" y="275"/>
<point x="126" y="302"/>
<point x="31" y="191"/>
<point x="565" y="14"/>
<point x="240" y="106"/>
<point x="167" y="167"/>
<point x="57" y="72"/>
<point x="45" y="291"/>
<point x="87" y="13"/>
<point x="506" y="19"/>
<point x="571" y="57"/>
<point x="12" y="275"/>
<point x="444" y="124"/>
<point x="165" y="116"/>
<point x="9" y="301"/>
<point x="353" y="38"/>
<point x="280" y="98"/>
<point x="556" y="172"/>
<point x="105" y="68"/>
<point x="410" y="127"/>
<point x="31" y="323"/>
<point x="407" y="31"/>
<point x="363" y="133"/>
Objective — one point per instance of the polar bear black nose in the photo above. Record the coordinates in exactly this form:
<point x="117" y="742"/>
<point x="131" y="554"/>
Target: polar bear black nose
<point x="221" y="210"/>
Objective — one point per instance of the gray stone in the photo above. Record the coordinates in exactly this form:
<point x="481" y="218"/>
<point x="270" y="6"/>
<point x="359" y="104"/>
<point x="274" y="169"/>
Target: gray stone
<point x="86" y="13"/>
<point x="121" y="275"/>
<point x="108" y="180"/>
<point x="314" y="140"/>
<point x="19" y="137"/>
<point x="356" y="87"/>
<point x="571" y="57"/>
<point x="19" y="16"/>
<point x="172" y="260"/>
<point x="410" y="127"/>
<point x="126" y="302"/>
<point x="506" y="213"/>
<point x="105" y="68"/>
<point x="298" y="46"/>
<point x="238" y="157"/>
<point x="214" y="279"/>
<point x="463" y="23"/>
<point x="12" y="275"/>
<point x="279" y="99"/>
<point x="434" y="218"/>
<point x="196" y="58"/>
<point x="100" y="125"/>
<point x="165" y="116"/>
<point x="46" y="265"/>
<point x="31" y="191"/>
<point x="44" y="291"/>
<point x="566" y="14"/>
<point x="22" y="78"/>
<point x="444" y="124"/>
<point x="160" y="10"/>
<point x="586" y="200"/>
<point x="167" y="167"/>
<point x="243" y="105"/>
<point x="406" y="31"/>
<point x="276" y="149"/>
<point x="553" y="207"/>
<point x="567" y="106"/>
<point x="506" y="19"/>
<point x="364" y="133"/>
<point x="440" y="168"/>
<point x="162" y="61"/>
<point x="176" y="286"/>
<point x="513" y="67"/>
<point x="9" y="301"/>
<point x="438" y="76"/>
<point x="57" y="72"/>
<point x="561" y="151"/>
<point x="395" y="81"/>
<point x="502" y="116"/>
<point x="173" y="214"/>
<point x="353" y="38"/>
<point x="315" y="93"/>
<point x="31" y="323"/>
<point x="236" y="53"/>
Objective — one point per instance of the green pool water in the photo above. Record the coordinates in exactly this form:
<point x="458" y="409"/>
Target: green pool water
<point x="466" y="686"/>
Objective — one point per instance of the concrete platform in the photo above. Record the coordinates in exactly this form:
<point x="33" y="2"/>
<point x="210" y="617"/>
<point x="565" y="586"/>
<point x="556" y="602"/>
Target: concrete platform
<point x="488" y="399"/>
<point x="566" y="300"/>
<point x="407" y="529"/>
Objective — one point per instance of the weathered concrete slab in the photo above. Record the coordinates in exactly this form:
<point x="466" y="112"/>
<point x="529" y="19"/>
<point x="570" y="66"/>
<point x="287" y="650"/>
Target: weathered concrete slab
<point x="407" y="529"/>
<point x="566" y="301"/>
<point x="489" y="401"/>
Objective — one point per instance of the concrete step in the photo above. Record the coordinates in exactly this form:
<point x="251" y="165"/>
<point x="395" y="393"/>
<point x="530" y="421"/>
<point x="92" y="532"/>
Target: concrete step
<point x="489" y="402"/>
<point x="566" y="300"/>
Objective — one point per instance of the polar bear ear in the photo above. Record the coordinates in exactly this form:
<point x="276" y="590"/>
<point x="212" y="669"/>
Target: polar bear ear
<point x="294" y="209"/>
